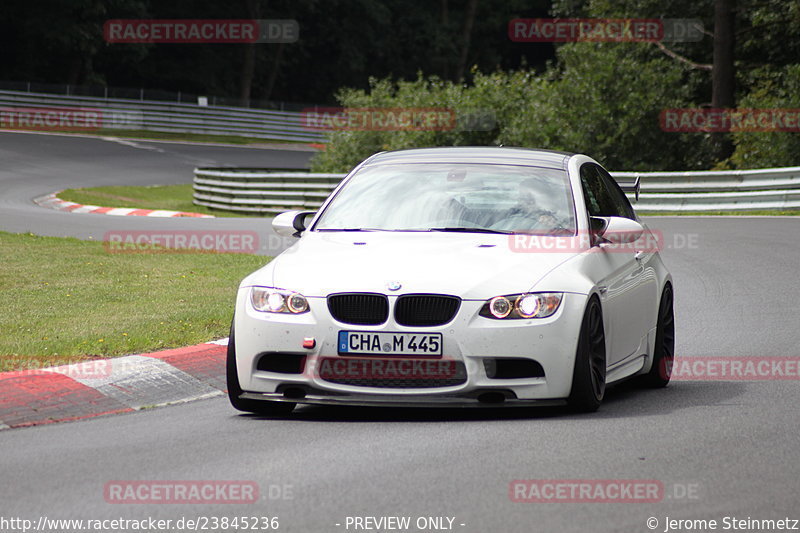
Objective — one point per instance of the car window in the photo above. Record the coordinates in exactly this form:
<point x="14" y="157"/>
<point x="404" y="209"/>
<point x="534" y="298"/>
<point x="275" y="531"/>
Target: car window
<point x="599" y="201"/>
<point x="618" y="197"/>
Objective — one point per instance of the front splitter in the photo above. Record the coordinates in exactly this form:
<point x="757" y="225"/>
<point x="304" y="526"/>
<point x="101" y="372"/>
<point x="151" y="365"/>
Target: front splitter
<point x="373" y="400"/>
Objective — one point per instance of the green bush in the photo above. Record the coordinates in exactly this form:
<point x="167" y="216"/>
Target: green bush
<point x="605" y="101"/>
<point x="771" y="90"/>
<point x="602" y="99"/>
<point x="347" y="148"/>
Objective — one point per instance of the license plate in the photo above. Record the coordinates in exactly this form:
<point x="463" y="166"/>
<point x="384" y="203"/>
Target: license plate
<point x="388" y="343"/>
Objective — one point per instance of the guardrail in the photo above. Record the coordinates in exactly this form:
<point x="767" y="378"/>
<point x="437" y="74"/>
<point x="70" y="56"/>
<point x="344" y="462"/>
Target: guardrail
<point x="119" y="113"/>
<point x="257" y="191"/>
<point x="727" y="190"/>
<point x="271" y="192"/>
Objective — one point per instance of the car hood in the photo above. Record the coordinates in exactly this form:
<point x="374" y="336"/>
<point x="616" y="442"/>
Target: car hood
<point x="469" y="265"/>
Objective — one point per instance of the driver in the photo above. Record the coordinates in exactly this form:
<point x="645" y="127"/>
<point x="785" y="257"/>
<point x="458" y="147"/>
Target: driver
<point x="534" y="209"/>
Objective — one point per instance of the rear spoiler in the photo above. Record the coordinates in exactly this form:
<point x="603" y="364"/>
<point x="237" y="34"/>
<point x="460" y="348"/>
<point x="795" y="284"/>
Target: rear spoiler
<point x="631" y="187"/>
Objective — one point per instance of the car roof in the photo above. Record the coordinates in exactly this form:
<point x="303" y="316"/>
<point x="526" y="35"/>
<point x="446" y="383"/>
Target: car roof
<point x="475" y="154"/>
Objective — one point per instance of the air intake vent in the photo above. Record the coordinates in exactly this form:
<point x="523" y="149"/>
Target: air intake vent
<point x="512" y="368"/>
<point x="282" y="363"/>
<point x="425" y="309"/>
<point x="364" y="309"/>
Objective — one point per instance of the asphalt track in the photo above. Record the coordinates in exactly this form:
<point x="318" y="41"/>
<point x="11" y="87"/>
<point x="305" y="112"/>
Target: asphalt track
<point x="720" y="448"/>
<point x="32" y="165"/>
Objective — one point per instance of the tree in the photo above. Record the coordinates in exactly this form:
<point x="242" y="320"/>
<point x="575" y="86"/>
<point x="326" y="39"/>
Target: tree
<point x="723" y="75"/>
<point x="252" y="7"/>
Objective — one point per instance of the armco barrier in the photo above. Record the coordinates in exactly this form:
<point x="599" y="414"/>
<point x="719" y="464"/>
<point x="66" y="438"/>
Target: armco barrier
<point x="259" y="191"/>
<point x="727" y="190"/>
<point x="118" y="113"/>
<point x="270" y="192"/>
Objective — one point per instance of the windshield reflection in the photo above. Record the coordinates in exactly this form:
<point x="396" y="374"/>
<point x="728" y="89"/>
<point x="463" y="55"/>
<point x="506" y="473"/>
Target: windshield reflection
<point x="446" y="197"/>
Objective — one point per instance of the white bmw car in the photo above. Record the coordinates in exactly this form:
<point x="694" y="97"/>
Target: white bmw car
<point x="456" y="277"/>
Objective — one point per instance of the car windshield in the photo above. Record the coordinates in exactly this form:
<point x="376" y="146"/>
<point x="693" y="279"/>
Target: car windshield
<point x="486" y="198"/>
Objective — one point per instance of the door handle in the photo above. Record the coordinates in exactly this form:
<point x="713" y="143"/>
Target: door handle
<point x="602" y="289"/>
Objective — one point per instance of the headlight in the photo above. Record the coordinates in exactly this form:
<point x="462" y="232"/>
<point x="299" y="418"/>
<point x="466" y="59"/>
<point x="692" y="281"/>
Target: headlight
<point x="500" y="307"/>
<point x="269" y="300"/>
<point x="528" y="305"/>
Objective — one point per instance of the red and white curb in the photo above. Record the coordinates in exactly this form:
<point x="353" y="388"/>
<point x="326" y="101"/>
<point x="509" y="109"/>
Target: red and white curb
<point x="109" y="386"/>
<point x="52" y="201"/>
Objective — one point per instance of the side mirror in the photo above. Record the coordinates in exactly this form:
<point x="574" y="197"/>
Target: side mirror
<point x="616" y="230"/>
<point x="291" y="223"/>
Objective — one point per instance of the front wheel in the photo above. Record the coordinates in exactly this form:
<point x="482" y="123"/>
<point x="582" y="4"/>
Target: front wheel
<point x="589" y="374"/>
<point x="234" y="390"/>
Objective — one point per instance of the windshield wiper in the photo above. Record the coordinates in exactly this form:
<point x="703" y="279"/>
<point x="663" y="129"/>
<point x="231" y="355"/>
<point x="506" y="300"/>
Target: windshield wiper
<point x="474" y="230"/>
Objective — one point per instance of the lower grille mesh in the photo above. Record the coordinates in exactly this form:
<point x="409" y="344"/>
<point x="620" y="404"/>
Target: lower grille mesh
<point x="393" y="374"/>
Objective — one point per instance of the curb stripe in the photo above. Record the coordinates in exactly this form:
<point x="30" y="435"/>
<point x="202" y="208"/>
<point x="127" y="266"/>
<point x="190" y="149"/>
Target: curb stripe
<point x="140" y="212"/>
<point x="138" y="381"/>
<point x="52" y="201"/>
<point x="112" y="386"/>
<point x="120" y="211"/>
<point x="203" y="364"/>
<point x="41" y="397"/>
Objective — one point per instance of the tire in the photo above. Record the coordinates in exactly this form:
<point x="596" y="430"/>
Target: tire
<point x="589" y="374"/>
<point x="260" y="407"/>
<point x="664" y="351"/>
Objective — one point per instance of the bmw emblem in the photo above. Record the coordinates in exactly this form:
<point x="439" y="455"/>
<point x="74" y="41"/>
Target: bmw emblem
<point x="393" y="285"/>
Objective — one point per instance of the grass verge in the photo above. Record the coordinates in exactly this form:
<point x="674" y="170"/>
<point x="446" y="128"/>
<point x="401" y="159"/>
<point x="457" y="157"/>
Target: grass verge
<point x="67" y="300"/>
<point x="169" y="197"/>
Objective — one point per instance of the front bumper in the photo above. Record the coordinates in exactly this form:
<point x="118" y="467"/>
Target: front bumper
<point x="468" y="339"/>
